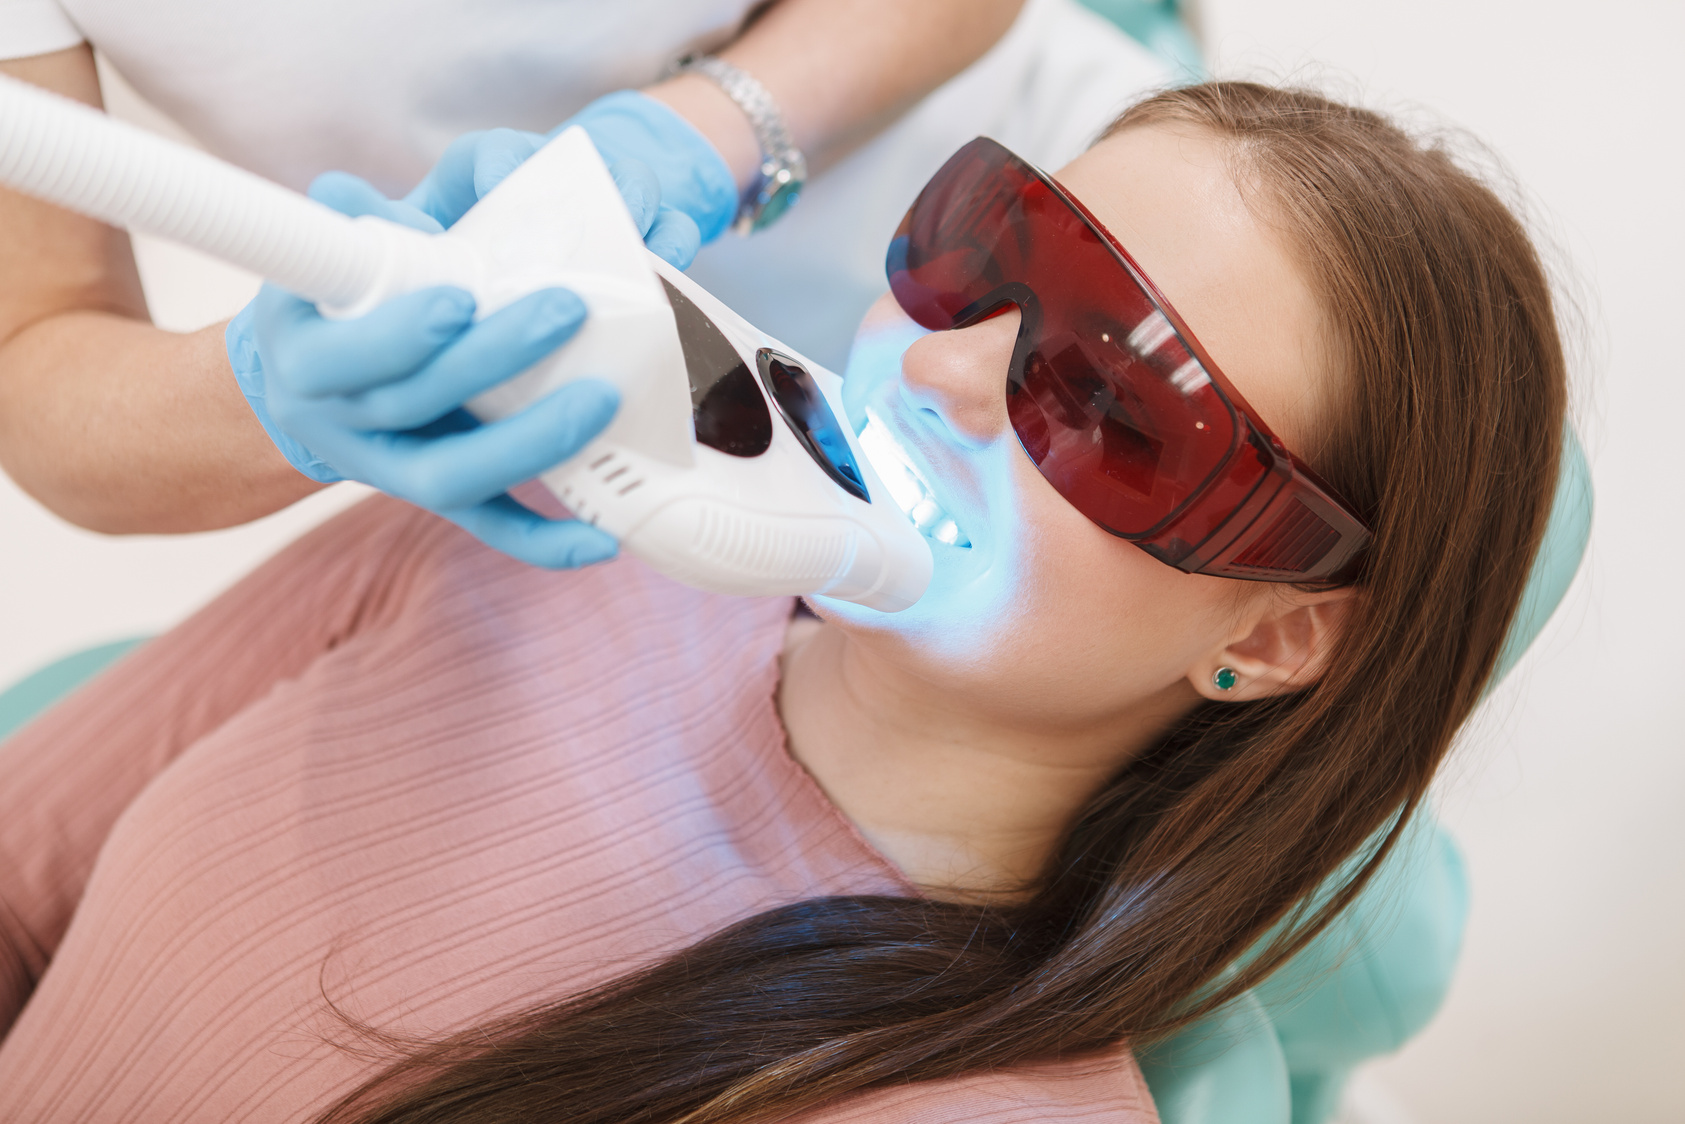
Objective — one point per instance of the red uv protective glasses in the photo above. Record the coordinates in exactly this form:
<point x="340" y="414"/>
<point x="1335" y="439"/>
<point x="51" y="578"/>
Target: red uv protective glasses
<point x="1110" y="394"/>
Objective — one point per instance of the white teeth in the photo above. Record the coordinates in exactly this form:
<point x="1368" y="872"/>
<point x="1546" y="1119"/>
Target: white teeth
<point x="949" y="532"/>
<point x="909" y="490"/>
<point x="926" y="513"/>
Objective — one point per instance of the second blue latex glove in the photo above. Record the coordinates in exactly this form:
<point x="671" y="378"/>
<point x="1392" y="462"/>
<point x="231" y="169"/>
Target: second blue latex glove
<point x="690" y="177"/>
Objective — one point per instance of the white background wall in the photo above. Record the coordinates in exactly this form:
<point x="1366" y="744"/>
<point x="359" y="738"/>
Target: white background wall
<point x="1567" y="794"/>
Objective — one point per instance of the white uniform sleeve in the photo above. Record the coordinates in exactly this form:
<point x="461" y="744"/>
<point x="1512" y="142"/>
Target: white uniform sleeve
<point x="35" y="27"/>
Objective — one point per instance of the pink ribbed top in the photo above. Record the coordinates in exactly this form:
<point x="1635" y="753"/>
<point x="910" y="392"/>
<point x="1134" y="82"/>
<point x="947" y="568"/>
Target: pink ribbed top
<point x="396" y="768"/>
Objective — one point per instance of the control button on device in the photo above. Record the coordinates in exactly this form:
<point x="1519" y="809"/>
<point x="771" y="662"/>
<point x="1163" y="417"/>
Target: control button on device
<point x="803" y="405"/>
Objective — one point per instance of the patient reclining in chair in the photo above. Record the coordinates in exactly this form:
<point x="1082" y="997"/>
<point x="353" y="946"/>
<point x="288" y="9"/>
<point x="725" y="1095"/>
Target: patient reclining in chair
<point x="400" y="829"/>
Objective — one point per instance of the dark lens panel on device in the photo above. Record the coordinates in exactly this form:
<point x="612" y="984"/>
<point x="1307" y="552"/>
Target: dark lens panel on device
<point x="726" y="406"/>
<point x="803" y="405"/>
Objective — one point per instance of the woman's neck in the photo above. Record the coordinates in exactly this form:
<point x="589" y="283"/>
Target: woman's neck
<point x="968" y="807"/>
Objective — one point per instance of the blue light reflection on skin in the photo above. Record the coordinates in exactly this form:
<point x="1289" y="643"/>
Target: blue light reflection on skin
<point x="974" y="590"/>
<point x="874" y="359"/>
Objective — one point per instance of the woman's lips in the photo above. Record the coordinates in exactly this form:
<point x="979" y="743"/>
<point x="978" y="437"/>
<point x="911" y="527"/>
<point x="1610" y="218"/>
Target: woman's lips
<point x="907" y="486"/>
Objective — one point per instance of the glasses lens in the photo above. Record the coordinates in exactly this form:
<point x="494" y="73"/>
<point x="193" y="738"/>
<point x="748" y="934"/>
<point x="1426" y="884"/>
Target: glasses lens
<point x="956" y="243"/>
<point x="1103" y="393"/>
<point x="727" y="409"/>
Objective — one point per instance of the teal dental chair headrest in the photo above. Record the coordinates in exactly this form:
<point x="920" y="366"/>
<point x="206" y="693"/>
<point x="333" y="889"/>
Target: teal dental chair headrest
<point x="1560" y="552"/>
<point x="1159" y="26"/>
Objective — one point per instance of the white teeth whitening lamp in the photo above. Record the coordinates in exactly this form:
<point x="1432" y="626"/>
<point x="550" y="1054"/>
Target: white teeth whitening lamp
<point x="742" y="478"/>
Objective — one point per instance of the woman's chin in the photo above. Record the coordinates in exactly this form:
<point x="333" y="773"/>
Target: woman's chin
<point x="964" y="597"/>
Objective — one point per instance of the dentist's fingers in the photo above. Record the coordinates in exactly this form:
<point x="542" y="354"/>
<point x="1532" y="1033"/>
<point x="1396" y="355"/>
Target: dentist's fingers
<point x="311" y="356"/>
<point x="472" y="165"/>
<point x="447" y="191"/>
<point x="488" y="353"/>
<point x="674" y="237"/>
<point x="499" y="153"/>
<point x="669" y="233"/>
<point x="640" y="190"/>
<point x="354" y="196"/>
<point x="496" y="349"/>
<point x="458" y="470"/>
<point x="505" y="525"/>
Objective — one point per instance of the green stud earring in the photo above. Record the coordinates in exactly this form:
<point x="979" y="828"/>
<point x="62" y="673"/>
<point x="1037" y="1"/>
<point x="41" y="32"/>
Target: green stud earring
<point x="1225" y="679"/>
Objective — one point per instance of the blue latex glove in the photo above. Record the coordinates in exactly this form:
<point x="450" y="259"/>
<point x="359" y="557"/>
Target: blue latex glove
<point x="629" y="129"/>
<point x="693" y="177"/>
<point x="378" y="399"/>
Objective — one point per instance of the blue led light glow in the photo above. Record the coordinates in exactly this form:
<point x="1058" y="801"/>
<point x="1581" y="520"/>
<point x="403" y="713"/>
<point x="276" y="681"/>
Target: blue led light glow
<point x="969" y="495"/>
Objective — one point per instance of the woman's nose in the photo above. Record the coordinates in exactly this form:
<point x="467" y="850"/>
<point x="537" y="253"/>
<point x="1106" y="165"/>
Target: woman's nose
<point x="960" y="376"/>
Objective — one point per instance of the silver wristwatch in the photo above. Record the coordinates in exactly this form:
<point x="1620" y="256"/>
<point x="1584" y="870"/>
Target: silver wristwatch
<point x="783" y="167"/>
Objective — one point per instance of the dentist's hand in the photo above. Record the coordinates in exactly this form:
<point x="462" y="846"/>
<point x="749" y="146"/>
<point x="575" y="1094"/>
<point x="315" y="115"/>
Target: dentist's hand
<point x="675" y="182"/>
<point x="378" y="398"/>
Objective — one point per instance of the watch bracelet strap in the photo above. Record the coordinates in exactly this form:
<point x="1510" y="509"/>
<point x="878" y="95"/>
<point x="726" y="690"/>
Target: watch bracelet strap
<point x="783" y="169"/>
<point x="753" y="98"/>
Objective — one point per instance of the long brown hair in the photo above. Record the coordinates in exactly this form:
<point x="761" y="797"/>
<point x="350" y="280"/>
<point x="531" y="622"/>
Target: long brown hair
<point x="1445" y="437"/>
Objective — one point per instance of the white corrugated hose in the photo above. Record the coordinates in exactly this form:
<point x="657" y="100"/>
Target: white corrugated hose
<point x="67" y="153"/>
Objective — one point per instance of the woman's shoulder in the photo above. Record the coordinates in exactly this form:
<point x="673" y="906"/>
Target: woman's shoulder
<point x="1103" y="1089"/>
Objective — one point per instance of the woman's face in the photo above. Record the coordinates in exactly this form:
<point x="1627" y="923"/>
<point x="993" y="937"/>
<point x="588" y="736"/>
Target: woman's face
<point x="1046" y="619"/>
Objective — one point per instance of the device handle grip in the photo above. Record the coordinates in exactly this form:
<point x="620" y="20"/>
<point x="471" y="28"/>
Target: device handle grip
<point x="72" y="155"/>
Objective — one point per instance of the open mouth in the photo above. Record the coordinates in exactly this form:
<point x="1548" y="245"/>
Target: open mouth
<point x="911" y="492"/>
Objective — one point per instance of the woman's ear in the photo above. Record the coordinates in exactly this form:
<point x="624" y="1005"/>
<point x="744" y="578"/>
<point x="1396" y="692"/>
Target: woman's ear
<point x="1287" y="649"/>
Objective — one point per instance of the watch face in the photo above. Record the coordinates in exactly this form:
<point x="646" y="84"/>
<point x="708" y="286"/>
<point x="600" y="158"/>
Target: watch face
<point x="778" y="194"/>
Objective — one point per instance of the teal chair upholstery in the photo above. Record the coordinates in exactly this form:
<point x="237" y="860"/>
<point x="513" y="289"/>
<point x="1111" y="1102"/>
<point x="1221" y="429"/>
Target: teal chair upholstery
<point x="30" y="696"/>
<point x="1228" y="1069"/>
<point x="1282" y="1053"/>
<point x="1159" y="26"/>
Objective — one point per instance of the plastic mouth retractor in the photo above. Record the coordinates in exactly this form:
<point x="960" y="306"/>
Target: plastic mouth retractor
<point x="771" y="525"/>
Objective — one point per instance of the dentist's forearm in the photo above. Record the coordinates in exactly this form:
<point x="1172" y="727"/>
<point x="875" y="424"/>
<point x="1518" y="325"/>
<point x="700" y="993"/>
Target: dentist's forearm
<point x="121" y="427"/>
<point x="106" y="420"/>
<point x="840" y="70"/>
